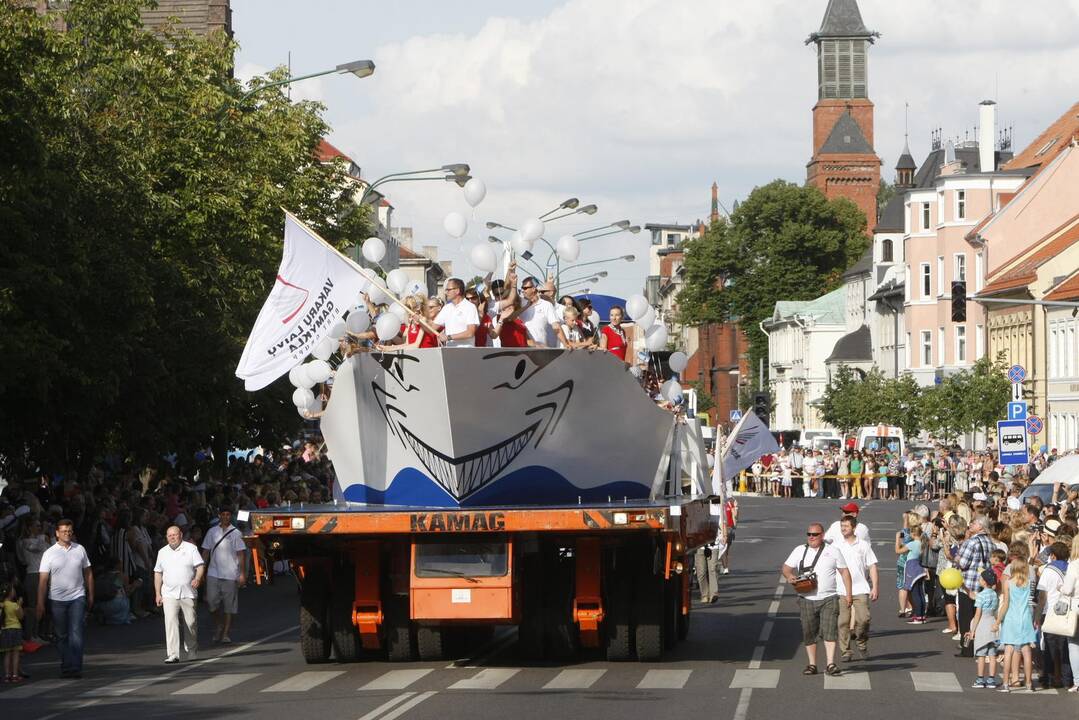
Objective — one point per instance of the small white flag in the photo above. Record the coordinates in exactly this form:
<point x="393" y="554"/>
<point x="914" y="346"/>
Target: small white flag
<point x="315" y="287"/>
<point x="748" y="441"/>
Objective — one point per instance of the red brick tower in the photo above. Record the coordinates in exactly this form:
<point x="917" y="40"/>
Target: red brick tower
<point x="844" y="163"/>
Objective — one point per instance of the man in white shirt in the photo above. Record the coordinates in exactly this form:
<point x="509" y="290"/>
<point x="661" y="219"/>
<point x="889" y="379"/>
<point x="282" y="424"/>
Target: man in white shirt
<point x="177" y="575"/>
<point x="864" y="586"/>
<point x="458" y="316"/>
<point x="540" y="318"/>
<point x="819" y="607"/>
<point x="65" y="572"/>
<point x="835" y="532"/>
<point x="223" y="551"/>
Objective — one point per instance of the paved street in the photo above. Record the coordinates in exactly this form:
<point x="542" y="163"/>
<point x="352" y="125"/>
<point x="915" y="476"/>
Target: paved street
<point x="742" y="661"/>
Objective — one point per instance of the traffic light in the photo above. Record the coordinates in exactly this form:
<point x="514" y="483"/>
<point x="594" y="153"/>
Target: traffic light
<point x="762" y="406"/>
<point x="959" y="301"/>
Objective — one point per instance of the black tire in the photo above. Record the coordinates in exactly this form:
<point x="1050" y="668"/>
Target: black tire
<point x="314" y="630"/>
<point x="616" y="625"/>
<point x="649" y="621"/>
<point x="346" y="638"/>
<point x="400" y="643"/>
<point x="429" y="643"/>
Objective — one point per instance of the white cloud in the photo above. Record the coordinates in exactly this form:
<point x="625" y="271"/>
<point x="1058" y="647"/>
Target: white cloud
<point x="638" y="105"/>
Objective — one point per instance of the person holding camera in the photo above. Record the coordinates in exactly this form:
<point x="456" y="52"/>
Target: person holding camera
<point x="813" y="570"/>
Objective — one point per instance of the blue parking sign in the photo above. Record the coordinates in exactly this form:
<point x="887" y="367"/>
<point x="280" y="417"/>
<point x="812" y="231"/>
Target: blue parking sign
<point x="1012" y="442"/>
<point x="1017" y="410"/>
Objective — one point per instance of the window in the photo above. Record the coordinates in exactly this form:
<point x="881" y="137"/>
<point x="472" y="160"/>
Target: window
<point x="927" y="280"/>
<point x="1070" y="351"/>
<point x="906" y="352"/>
<point x="672" y="238"/>
<point x="841" y="69"/>
<point x="927" y="348"/>
<point x="960" y="274"/>
<point x="908" y="292"/>
<point x="977" y="273"/>
<point x="979" y="340"/>
<point x="940" y="275"/>
<point x="960" y="344"/>
<point x="886" y="250"/>
<point x="960" y="204"/>
<point x="925" y="216"/>
<point x="940" y="347"/>
<point x="1054" y="350"/>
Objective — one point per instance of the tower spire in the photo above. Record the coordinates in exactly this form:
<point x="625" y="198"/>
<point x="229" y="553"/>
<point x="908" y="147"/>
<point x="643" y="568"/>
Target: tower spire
<point x="715" y="202"/>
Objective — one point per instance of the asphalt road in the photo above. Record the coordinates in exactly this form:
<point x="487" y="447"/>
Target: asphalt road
<point x="742" y="661"/>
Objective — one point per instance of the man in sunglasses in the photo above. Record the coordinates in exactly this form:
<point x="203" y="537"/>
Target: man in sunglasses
<point x="818" y="604"/>
<point x="539" y="317"/>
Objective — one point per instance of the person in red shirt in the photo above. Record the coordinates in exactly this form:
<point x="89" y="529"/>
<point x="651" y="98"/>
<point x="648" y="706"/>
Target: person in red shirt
<point x="483" y="331"/>
<point x="413" y="334"/>
<point x="613" y="337"/>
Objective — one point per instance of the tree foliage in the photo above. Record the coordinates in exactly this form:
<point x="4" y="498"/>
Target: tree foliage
<point x="141" y="204"/>
<point x="785" y="242"/>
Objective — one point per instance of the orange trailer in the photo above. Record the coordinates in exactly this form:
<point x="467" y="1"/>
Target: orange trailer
<point x="384" y="581"/>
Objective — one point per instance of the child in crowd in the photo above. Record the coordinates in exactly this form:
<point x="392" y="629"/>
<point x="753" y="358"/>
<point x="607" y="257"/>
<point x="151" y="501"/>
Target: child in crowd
<point x="1015" y="623"/>
<point x="11" y="634"/>
<point x="982" y="633"/>
<point x="997" y="564"/>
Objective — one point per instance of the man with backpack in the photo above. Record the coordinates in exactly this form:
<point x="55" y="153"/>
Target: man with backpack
<point x="223" y="550"/>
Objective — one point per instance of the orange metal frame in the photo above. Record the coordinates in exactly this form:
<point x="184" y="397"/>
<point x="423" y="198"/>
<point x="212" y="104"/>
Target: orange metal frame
<point x="461" y="598"/>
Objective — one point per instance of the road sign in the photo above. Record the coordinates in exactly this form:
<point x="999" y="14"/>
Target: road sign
<point x="1017" y="410"/>
<point x="1012" y="442"/>
<point x="1034" y="425"/>
<point x="736" y="415"/>
<point x="1017" y="393"/>
<point x="1017" y="374"/>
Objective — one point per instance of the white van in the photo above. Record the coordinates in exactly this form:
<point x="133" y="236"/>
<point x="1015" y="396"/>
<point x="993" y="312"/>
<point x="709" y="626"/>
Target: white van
<point x="881" y="437"/>
<point x="821" y="439"/>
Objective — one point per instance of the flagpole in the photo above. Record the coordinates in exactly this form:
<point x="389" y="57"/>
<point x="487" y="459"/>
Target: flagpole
<point x="362" y="271"/>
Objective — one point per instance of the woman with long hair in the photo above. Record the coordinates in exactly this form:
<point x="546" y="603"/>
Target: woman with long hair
<point x="1017" y="633"/>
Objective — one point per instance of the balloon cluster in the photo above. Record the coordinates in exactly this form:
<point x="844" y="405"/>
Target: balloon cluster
<point x="655" y="334"/>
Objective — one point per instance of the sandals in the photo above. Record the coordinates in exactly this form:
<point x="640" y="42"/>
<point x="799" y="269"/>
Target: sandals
<point x="832" y="670"/>
<point x="810" y="670"/>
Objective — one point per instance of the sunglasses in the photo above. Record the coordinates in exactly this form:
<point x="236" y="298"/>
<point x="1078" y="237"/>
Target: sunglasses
<point x="808" y="534"/>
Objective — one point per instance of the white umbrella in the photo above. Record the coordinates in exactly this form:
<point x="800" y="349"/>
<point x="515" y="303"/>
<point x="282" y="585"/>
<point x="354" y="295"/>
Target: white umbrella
<point x="1064" y="470"/>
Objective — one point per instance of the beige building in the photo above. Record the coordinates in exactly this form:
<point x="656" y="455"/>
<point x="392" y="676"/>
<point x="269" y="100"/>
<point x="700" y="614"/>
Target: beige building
<point x="1062" y="395"/>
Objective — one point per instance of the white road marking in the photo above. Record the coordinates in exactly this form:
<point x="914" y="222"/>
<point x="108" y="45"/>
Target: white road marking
<point x="385" y="707"/>
<point x="742" y="710"/>
<point x="32" y="689"/>
<point x="574" y="680"/>
<point x="487" y="679"/>
<point x="120" y="687"/>
<point x="213" y="685"/>
<point x="396" y="679"/>
<point x="664" y="680"/>
<point x="758" y="656"/>
<point x="302" y="682"/>
<point x="766" y="630"/>
<point x="408" y="706"/>
<point x="847" y="681"/>
<point x="773" y="608"/>
<point x="935" y="682"/>
<point x="767" y="679"/>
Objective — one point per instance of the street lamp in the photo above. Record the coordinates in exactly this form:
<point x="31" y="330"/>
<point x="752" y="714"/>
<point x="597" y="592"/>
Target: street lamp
<point x="618" y="228"/>
<point x="359" y="68"/>
<point x="457" y="173"/>
<point x="570" y="204"/>
<point x="586" y="210"/>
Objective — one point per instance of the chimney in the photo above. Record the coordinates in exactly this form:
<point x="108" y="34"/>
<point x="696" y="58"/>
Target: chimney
<point x="987" y="129"/>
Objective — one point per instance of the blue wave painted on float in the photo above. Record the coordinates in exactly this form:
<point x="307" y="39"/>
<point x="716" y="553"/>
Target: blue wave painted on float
<point x="532" y="485"/>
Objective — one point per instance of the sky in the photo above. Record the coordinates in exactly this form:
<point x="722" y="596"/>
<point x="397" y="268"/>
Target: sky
<point x="639" y="105"/>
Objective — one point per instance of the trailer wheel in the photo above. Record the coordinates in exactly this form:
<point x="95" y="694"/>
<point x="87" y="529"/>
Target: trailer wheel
<point x="346" y="639"/>
<point x="648" y="633"/>
<point x="400" y="645"/>
<point x="314" y="628"/>
<point x="429" y="642"/>
<point x="616" y="626"/>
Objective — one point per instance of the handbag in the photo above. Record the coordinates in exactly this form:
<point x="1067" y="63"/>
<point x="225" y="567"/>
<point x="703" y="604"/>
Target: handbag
<point x="1062" y="623"/>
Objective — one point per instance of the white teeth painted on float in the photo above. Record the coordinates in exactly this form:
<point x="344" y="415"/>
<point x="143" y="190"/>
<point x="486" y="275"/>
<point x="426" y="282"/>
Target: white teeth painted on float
<point x="463" y="477"/>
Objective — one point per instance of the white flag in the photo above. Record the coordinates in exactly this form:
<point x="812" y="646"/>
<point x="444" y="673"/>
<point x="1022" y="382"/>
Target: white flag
<point x="748" y="441"/>
<point x="315" y="287"/>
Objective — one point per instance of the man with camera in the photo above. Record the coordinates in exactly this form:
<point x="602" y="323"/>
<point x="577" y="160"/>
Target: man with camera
<point x="812" y="570"/>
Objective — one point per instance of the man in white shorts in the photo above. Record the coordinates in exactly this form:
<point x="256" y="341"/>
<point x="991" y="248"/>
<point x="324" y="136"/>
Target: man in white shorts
<point x="223" y="550"/>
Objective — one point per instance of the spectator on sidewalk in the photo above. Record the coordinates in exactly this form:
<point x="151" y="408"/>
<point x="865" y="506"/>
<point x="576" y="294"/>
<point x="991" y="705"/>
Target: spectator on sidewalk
<point x="177" y="576"/>
<point x="30" y="548"/>
<point x="223" y="551"/>
<point x="65" y="574"/>
<point x="973" y="556"/>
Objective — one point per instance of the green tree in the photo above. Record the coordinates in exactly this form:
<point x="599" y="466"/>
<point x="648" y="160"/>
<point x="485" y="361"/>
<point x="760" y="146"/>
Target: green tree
<point x="849" y="401"/>
<point x="942" y="407"/>
<point x="988" y="394"/>
<point x="785" y="242"/>
<point x="900" y="400"/>
<point x="141" y="202"/>
<point x="885" y="192"/>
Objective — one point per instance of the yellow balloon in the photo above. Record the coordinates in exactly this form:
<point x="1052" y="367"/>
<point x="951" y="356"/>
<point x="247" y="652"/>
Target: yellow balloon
<point x="951" y="579"/>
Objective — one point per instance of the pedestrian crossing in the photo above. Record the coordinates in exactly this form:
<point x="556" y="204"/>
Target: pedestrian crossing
<point x="421" y="680"/>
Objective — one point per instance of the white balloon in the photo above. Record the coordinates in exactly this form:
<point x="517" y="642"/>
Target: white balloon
<point x="532" y="229"/>
<point x="324" y="349"/>
<point x="483" y="257"/>
<point x="378" y="294"/>
<point x="475" y="192"/>
<point x="655" y="339"/>
<point x="338" y="330"/>
<point x="678" y="362"/>
<point x="387" y="327"/>
<point x="674" y="391"/>
<point x="646" y="321"/>
<point x="304" y="412"/>
<point x="302" y="397"/>
<point x="397" y="280"/>
<point x="364" y="284"/>
<point x="519" y="244"/>
<point x="455" y="224"/>
<point x="374" y="249"/>
<point x="298" y="376"/>
<point x="665" y="389"/>
<point x="636" y="306"/>
<point x="568" y="248"/>
<point x="416" y="288"/>
<point x="358" y="321"/>
<point x="399" y="312"/>
<point x="315" y="405"/>
<point x="318" y="370"/>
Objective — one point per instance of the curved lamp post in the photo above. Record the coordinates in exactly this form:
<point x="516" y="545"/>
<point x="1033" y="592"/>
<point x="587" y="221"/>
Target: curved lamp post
<point x="359" y="68"/>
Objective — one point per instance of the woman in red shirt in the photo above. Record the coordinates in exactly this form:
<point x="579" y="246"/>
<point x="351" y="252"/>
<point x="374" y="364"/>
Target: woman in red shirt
<point x="413" y="334"/>
<point x="613" y="337"/>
